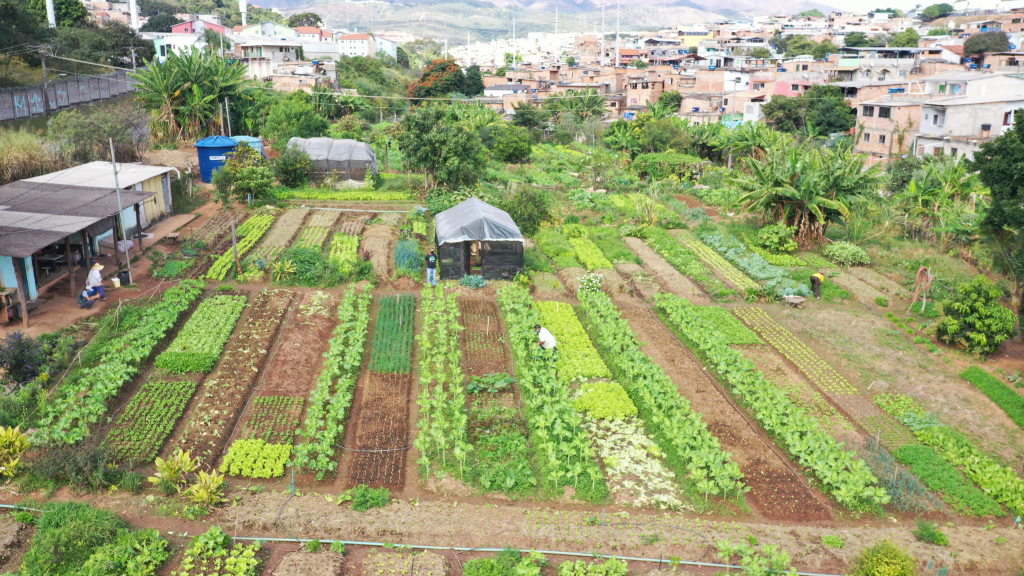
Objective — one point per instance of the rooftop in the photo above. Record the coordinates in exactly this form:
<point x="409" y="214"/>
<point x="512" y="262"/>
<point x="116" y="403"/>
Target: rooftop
<point x="101" y="175"/>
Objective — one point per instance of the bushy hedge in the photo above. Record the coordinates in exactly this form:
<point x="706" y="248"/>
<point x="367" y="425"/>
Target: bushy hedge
<point x="974" y="318"/>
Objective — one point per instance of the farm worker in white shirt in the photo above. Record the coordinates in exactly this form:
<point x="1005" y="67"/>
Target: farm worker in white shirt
<point x="95" y="280"/>
<point x="547" y="339"/>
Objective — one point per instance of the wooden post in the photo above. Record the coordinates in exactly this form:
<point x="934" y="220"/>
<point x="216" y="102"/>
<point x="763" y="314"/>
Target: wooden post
<point x="117" y="253"/>
<point x="234" y="247"/>
<point x="71" y="264"/>
<point x="87" y="254"/>
<point x="22" y="289"/>
<point x="138" y="225"/>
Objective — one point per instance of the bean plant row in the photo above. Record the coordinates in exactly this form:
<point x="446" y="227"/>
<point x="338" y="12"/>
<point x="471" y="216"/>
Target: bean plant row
<point x="74" y="407"/>
<point x="840" y="472"/>
<point x="201" y="342"/>
<point x="680" y="430"/>
<point x="330" y="400"/>
<point x="819" y="372"/>
<point x="564" y="450"/>
<point x="443" y="420"/>
<point x="393" y="334"/>
<point x="250" y="234"/>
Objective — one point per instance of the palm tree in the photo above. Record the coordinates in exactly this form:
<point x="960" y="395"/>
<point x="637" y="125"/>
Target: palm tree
<point x="805" y="188"/>
<point x="581" y="104"/>
<point x="751" y="139"/>
<point x="659" y="110"/>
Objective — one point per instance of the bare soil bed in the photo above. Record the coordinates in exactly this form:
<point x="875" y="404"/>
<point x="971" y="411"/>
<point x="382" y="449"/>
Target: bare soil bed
<point x="879" y="281"/>
<point x="304" y="563"/>
<point x="351" y="226"/>
<point x="378" y="246"/>
<point x="483" y="340"/>
<point x="670" y="279"/>
<point x="381" y="435"/>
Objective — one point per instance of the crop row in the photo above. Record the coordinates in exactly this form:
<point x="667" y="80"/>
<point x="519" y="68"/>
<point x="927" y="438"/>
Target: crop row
<point x="344" y="252"/>
<point x="845" y="476"/>
<point x="392" y="337"/>
<point x="443" y="420"/>
<point x="221" y="397"/>
<point x="589" y="254"/>
<point x="1010" y="401"/>
<point x="200" y="343"/>
<point x="565" y="454"/>
<point x="75" y="407"/>
<point x="148" y="419"/>
<point x="328" y="405"/>
<point x="1000" y="482"/>
<point x="777" y="280"/>
<point x="680" y="430"/>
<point x="312" y="237"/>
<point x="273" y="419"/>
<point x="819" y="372"/>
<point x="250" y="234"/>
<point x="323" y="218"/>
<point x="350" y="195"/>
<point x="577" y="357"/>
<point x="212" y="553"/>
<point x="687" y="263"/>
<point x="941" y="476"/>
<point x="714" y="261"/>
<point x="255" y="458"/>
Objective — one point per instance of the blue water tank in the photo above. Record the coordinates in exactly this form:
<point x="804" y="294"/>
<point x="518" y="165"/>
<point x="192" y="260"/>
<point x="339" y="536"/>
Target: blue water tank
<point x="256" y="143"/>
<point x="212" y="154"/>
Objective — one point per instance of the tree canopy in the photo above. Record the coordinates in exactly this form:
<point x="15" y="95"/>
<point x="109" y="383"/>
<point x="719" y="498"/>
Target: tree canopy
<point x="935" y="11"/>
<point x="306" y="19"/>
<point x="449" y="151"/>
<point x="160" y="23"/>
<point x="69" y="12"/>
<point x="979" y="44"/>
<point x="821" y="110"/>
<point x="760" y="52"/>
<point x="814" y="12"/>
<point x="906" y="39"/>
<point x="440" y="78"/>
<point x="474" y="81"/>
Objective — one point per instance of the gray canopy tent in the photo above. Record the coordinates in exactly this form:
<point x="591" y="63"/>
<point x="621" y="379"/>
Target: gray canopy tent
<point x="350" y="158"/>
<point x="477" y="238"/>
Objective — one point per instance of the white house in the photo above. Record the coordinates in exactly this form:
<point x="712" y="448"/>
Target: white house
<point x="357" y="45"/>
<point x="386" y="46"/>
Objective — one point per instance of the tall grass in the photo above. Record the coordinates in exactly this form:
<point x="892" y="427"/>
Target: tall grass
<point x="24" y="154"/>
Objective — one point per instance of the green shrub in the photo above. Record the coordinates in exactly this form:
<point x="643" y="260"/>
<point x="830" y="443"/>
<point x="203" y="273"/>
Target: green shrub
<point x="67" y="534"/>
<point x="974" y="319"/>
<point x="885" y="559"/>
<point x="294" y="168"/>
<point x="777" y="238"/>
<point x="365" y="498"/>
<point x="928" y="532"/>
<point x="1011" y="402"/>
<point x="833" y="541"/>
<point x="846" y="254"/>
<point x="23" y="517"/>
<point x="882" y="301"/>
<point x="313" y="545"/>
<point x="338" y="547"/>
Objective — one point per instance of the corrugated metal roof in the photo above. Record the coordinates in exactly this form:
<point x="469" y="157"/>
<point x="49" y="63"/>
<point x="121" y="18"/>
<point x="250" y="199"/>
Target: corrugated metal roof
<point x="34" y="214"/>
<point x="101" y="175"/>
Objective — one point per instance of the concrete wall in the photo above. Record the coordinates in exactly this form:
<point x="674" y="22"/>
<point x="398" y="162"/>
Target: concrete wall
<point x="28" y="101"/>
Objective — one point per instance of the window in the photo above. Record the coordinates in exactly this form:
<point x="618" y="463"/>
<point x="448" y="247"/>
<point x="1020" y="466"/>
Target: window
<point x="868" y="112"/>
<point x="1015" y="21"/>
<point x="1008" y="119"/>
<point x="795" y="87"/>
<point x="867" y="137"/>
<point x="881" y="139"/>
<point x="952" y="151"/>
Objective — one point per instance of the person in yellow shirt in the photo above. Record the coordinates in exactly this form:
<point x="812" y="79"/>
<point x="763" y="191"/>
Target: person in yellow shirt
<point x="817" y="279"/>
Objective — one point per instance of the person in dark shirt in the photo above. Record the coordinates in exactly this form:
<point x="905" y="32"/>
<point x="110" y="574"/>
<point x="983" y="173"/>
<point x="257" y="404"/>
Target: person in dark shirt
<point x="432" y="268"/>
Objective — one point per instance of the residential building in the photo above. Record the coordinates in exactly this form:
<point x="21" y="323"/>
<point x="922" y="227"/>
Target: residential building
<point x="356" y="45"/>
<point x="387" y="46"/>
<point x="268" y="30"/>
<point x="197" y="27"/>
<point x="959" y="126"/>
<point x="886" y="126"/>
<point x="307" y="34"/>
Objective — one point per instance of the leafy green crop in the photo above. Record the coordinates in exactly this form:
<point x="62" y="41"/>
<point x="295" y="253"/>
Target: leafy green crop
<point x="845" y="476"/>
<point x="604" y="400"/>
<point x="146" y="423"/>
<point x="330" y="400"/>
<point x="73" y="408"/>
<point x="201" y="342"/>
<point x="138" y="553"/>
<point x="679" y="430"/>
<point x="211" y="553"/>
<point x="1011" y="402"/>
<point x="776" y="279"/>
<point x="344" y="253"/>
<point x="942" y="477"/>
<point x="589" y="254"/>
<point x="577" y="357"/>
<point x="688" y="264"/>
<point x="391" y="352"/>
<point x="256" y="459"/>
<point x="250" y="234"/>
<point x="173" y="268"/>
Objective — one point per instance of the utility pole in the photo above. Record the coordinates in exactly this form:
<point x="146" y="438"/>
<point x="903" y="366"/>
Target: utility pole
<point x="445" y="48"/>
<point x="618" y="7"/>
<point x="134" y="67"/>
<point x="556" y="19"/>
<point x="46" y="90"/>
<point x="51" y="14"/>
<point x="602" y="33"/>
<point x="120" y="214"/>
<point x="515" y="51"/>
<point x="227" y="108"/>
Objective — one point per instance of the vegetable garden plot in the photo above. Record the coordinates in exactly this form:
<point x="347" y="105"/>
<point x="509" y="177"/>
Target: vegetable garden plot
<point x="273" y="419"/>
<point x="663" y="275"/>
<point x="77" y="405"/>
<point x="323" y="218"/>
<point x="312" y="237"/>
<point x="721" y="267"/>
<point x="219" y="401"/>
<point x="219" y="226"/>
<point x="344" y="252"/>
<point x="281" y="234"/>
<point x="248" y="235"/>
<point x="200" y="343"/>
<point x="688" y="264"/>
<point x="377" y="243"/>
<point x="352" y="227"/>
<point x="381" y="413"/>
<point x="483" y="341"/>
<point x="148" y="419"/>
<point x="862" y="291"/>
<point x="879" y="281"/>
<point x="577" y="357"/>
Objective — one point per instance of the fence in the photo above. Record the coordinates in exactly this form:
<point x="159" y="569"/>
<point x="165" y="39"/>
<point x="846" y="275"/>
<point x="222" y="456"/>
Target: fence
<point x="27" y="101"/>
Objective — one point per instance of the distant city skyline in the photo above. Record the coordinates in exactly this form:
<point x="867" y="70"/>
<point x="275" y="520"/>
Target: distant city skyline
<point x="869" y="5"/>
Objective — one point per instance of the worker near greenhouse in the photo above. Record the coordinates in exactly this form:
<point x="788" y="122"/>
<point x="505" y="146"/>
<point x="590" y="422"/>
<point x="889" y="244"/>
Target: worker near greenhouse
<point x="817" y="279"/>
<point x="432" y="267"/>
<point x="547" y="340"/>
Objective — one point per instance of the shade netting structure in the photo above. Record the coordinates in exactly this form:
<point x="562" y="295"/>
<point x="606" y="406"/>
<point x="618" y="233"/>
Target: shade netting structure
<point x="350" y="159"/>
<point x="477" y="238"/>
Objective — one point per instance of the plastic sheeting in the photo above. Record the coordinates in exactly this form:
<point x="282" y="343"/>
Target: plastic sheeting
<point x="352" y="158"/>
<point x="475" y="220"/>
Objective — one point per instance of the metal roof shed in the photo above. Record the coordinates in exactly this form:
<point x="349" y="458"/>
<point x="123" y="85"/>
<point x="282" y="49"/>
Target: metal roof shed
<point x="477" y="238"/>
<point x="34" y="215"/>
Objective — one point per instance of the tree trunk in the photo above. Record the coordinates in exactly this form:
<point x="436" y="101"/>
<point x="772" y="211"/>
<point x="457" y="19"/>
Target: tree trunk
<point x="1015" y="302"/>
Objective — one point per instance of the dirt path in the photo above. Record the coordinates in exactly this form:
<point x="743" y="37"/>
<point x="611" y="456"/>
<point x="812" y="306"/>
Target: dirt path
<point x="777" y="490"/>
<point x="671" y="280"/>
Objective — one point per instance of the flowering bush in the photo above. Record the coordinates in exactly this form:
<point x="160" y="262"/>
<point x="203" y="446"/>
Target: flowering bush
<point x="590" y="282"/>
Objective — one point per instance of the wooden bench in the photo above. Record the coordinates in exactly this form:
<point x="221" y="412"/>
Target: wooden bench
<point x="173" y="237"/>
